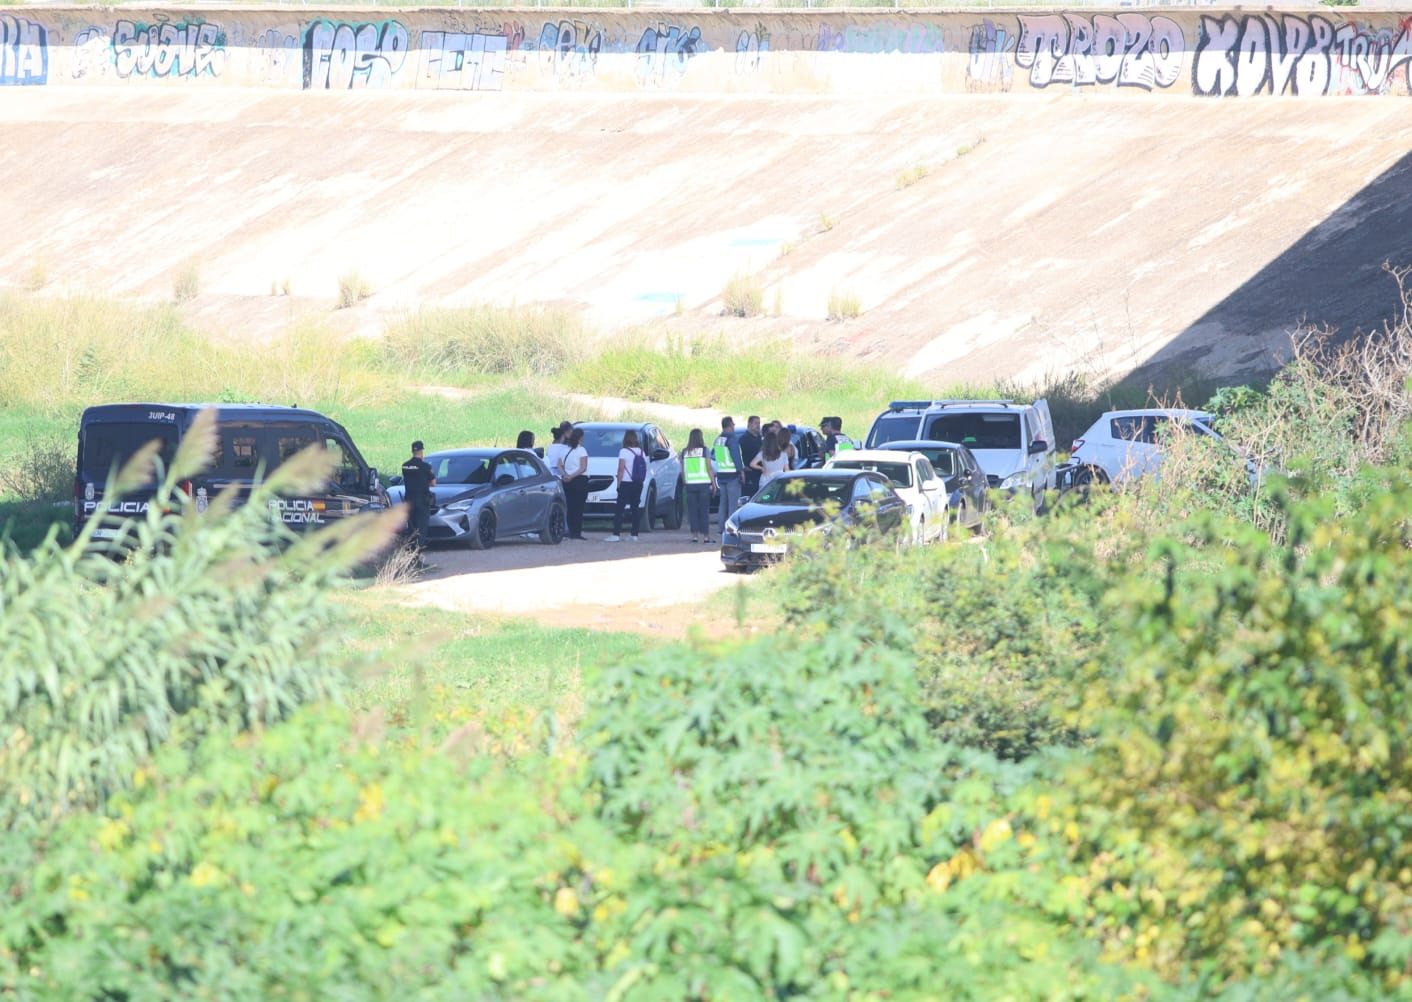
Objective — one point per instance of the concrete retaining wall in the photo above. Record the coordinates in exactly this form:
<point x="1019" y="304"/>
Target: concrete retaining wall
<point x="1212" y="52"/>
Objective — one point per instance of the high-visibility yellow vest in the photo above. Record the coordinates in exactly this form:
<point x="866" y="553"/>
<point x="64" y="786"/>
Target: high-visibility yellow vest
<point x="694" y="470"/>
<point x="842" y="444"/>
<point x="725" y="463"/>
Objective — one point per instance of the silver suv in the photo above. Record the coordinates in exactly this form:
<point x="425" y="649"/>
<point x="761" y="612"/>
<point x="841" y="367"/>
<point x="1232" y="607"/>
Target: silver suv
<point x="1014" y="443"/>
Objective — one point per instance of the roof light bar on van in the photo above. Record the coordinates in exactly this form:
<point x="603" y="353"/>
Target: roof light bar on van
<point x="909" y="405"/>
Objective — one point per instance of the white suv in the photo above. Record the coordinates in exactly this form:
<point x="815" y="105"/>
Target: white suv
<point x="663" y="496"/>
<point x="1126" y="445"/>
<point x="1014" y="443"/>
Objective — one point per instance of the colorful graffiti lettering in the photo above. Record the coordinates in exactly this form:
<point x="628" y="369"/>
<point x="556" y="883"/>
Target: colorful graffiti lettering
<point x="1131" y="50"/>
<point x="1295" y="54"/>
<point x="571" y="47"/>
<point x="168" y="49"/>
<point x="664" y="51"/>
<point x="458" y="61"/>
<point x="24" y="52"/>
<point x="988" y="67"/>
<point x="339" y="55"/>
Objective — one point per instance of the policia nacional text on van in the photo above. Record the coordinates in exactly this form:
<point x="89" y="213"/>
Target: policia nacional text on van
<point x="252" y="440"/>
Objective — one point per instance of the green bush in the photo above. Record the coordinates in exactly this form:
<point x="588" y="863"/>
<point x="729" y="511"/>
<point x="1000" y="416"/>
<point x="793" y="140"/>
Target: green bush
<point x="483" y="340"/>
<point x="1251" y="790"/>
<point x="209" y="621"/>
<point x="743" y="296"/>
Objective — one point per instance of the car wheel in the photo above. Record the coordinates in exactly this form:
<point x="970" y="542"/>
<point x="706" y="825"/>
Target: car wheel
<point x="554" y="524"/>
<point x="483" y="537"/>
<point x="673" y="518"/>
<point x="650" y="509"/>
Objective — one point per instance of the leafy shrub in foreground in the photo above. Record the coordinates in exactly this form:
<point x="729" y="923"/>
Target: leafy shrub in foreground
<point x="213" y="617"/>
<point x="1251" y="793"/>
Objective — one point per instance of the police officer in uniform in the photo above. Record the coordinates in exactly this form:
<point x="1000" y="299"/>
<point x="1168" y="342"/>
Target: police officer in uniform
<point x="417" y="482"/>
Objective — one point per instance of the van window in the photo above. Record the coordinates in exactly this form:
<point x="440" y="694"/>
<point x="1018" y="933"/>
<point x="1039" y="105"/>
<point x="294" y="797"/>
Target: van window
<point x="108" y="445"/>
<point x="347" y="473"/>
<point x="979" y="430"/>
<point x="893" y="428"/>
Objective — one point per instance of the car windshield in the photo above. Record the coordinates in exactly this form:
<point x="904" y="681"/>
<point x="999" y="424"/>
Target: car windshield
<point x="804" y="492"/>
<point x="892" y="428"/>
<point x="943" y="460"/>
<point x="469" y="468"/>
<point x="109" y="445"/>
<point x="604" y="442"/>
<point x="978" y="430"/>
<point x="900" y="473"/>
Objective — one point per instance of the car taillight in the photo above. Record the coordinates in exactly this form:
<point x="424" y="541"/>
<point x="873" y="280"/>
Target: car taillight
<point x="187" y="489"/>
<point x="1078" y="444"/>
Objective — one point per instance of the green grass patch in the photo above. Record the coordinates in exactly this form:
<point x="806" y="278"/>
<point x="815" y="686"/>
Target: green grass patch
<point x="441" y="667"/>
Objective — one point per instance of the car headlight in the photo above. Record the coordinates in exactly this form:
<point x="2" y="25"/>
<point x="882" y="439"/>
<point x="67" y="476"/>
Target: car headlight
<point x="732" y="526"/>
<point x="462" y="505"/>
<point x="1014" y="480"/>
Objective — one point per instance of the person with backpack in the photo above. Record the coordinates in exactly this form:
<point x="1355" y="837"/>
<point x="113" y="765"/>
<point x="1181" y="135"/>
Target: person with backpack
<point x="575" y="475"/>
<point x="632" y="474"/>
<point x="730" y="469"/>
<point x="699" y="476"/>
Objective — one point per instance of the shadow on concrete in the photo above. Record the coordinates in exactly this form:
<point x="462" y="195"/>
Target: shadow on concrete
<point x="1332" y="276"/>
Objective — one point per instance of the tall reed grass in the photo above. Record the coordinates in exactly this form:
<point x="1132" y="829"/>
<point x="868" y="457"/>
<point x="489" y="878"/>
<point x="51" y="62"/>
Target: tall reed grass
<point x="483" y="340"/>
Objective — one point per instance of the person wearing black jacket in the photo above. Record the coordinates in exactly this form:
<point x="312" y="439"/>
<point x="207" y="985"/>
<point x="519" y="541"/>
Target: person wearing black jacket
<point x="750" y="445"/>
<point x="417" y="482"/>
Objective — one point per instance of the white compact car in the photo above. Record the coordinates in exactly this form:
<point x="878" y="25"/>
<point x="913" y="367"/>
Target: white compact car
<point x="663" y="496"/>
<point x="1014" y="443"/>
<point x="1125" y="445"/>
<point x="915" y="481"/>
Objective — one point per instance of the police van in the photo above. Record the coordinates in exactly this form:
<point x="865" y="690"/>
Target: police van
<point x="252" y="440"/>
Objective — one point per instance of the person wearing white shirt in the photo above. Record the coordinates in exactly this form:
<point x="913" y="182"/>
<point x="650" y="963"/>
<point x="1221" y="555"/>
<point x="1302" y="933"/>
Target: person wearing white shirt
<point x="632" y="474"/>
<point x="554" y="455"/>
<point x="575" y="466"/>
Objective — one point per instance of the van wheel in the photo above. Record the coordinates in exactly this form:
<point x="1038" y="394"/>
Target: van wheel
<point x="484" y="536"/>
<point x="673" y="518"/>
<point x="650" y="511"/>
<point x="553" y="532"/>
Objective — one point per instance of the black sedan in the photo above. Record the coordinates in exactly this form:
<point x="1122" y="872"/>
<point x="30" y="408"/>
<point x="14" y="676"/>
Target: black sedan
<point x="486" y="495"/>
<point x="965" y="480"/>
<point x="809" y="501"/>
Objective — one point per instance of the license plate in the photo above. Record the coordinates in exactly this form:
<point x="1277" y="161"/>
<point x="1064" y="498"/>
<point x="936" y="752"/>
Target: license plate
<point x="596" y="496"/>
<point x="105" y="533"/>
<point x="768" y="548"/>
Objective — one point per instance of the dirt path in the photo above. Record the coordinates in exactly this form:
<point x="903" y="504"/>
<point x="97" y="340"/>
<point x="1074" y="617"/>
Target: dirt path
<point x="658" y="586"/>
<point x="615" y="407"/>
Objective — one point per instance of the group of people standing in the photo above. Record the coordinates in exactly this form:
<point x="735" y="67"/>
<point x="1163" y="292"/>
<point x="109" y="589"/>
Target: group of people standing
<point x="736" y="465"/>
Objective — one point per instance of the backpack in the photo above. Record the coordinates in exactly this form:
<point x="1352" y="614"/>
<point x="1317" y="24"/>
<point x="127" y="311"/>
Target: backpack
<point x="639" y="467"/>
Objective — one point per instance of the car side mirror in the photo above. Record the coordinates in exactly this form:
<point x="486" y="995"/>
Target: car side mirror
<point x="394" y="481"/>
<point x="1038" y="446"/>
<point x="660" y="454"/>
<point x="373" y="478"/>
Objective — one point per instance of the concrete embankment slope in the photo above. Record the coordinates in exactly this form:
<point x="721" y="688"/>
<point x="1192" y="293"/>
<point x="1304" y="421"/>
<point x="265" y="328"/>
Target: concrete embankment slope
<point x="1004" y="194"/>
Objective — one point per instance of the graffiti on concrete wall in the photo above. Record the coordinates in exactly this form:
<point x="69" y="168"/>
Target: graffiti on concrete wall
<point x="1295" y="54"/>
<point x="916" y="39"/>
<point x="989" y="66"/>
<point x="749" y="47"/>
<point x="168" y="49"/>
<point x="91" y="53"/>
<point x="458" y="61"/>
<point x="664" y="51"/>
<point x="279" y="55"/>
<point x="1129" y="50"/>
<point x="342" y="55"/>
<point x="570" y="48"/>
<point x="24" y="52"/>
